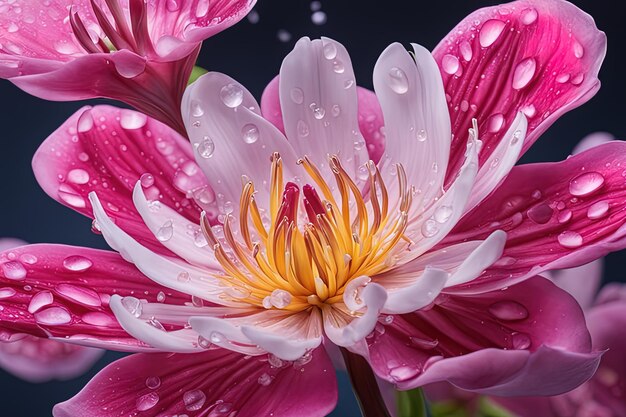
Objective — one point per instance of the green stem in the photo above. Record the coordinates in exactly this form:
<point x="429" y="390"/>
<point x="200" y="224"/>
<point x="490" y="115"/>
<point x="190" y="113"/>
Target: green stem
<point x="411" y="403"/>
<point x="364" y="385"/>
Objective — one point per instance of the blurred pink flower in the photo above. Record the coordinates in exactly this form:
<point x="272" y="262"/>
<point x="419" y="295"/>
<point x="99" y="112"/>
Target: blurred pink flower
<point x="138" y="52"/>
<point x="37" y="359"/>
<point x="398" y="261"/>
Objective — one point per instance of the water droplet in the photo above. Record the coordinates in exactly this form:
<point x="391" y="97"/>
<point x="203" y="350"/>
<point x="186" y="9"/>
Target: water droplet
<point x="450" y="64"/>
<point x="524" y="73"/>
<point x="398" y="81"/>
<point x="528" y="16"/>
<point x="204" y="343"/>
<point x="13" y="28"/>
<point x="85" y="122"/>
<point x="217" y="337"/>
<point x="275" y="361"/>
<point x="183" y="276"/>
<point x="84" y="296"/>
<point x="421" y="135"/>
<point x="250" y="133"/>
<point x="443" y="214"/>
<point x="133" y="120"/>
<point x="205" y="147"/>
<point x="348" y="84"/>
<point x="303" y="129"/>
<point x="563" y="78"/>
<point x="14" y="270"/>
<point x="297" y="95"/>
<point x="146" y="180"/>
<point x="153" y="382"/>
<point x="520" y="341"/>
<point x="508" y="310"/>
<point x="579" y="51"/>
<point x="429" y="228"/>
<point x="541" y="213"/>
<point x="423" y="343"/>
<point x="40" y="300"/>
<point x="578" y="79"/>
<point x="147" y="401"/>
<point x="466" y="50"/>
<point x="496" y="122"/>
<point x="586" y="183"/>
<point x="319" y="17"/>
<point x="222" y="408"/>
<point x="318" y="112"/>
<point x="133" y="305"/>
<point x="402" y="373"/>
<point x="53" y="316"/>
<point x="165" y="232"/>
<point x="565" y="216"/>
<point x="280" y="298"/>
<point x="172" y="5"/>
<point x="95" y="318"/>
<point x="283" y="35"/>
<point x="78" y="176"/>
<point x="160" y="297"/>
<point x="598" y="210"/>
<point x="65" y="48"/>
<point x="196" y="108"/>
<point x="77" y="263"/>
<point x="338" y="66"/>
<point x="265" y="380"/>
<point x="330" y="50"/>
<point x="335" y="110"/>
<point x="7" y="292"/>
<point x="490" y="32"/>
<point x="231" y="95"/>
<point x="570" y="240"/>
<point x="517" y="135"/>
<point x="253" y="17"/>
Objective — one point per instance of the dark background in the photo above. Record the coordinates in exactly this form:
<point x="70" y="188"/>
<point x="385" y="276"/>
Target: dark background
<point x="252" y="53"/>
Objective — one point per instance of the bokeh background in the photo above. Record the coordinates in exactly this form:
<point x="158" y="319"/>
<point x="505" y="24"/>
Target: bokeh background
<point x="251" y="52"/>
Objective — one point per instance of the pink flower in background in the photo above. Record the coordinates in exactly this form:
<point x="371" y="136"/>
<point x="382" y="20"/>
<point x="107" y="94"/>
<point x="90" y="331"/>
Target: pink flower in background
<point x="37" y="359"/>
<point x="141" y="53"/>
<point x="385" y="259"/>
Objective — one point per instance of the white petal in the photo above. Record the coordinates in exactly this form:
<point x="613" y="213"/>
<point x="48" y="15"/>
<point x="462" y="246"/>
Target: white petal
<point x="489" y="251"/>
<point x="417" y="122"/>
<point x="418" y="295"/>
<point x="500" y="162"/>
<point x="230" y="140"/>
<point x="319" y="104"/>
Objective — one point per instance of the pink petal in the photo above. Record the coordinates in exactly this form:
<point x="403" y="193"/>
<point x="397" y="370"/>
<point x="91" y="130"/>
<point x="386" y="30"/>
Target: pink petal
<point x="592" y="140"/>
<point x="36" y="359"/>
<point x="319" y="104"/>
<point x="581" y="282"/>
<point x="613" y="291"/>
<point x="107" y="150"/>
<point x="370" y="116"/>
<point x="538" y="57"/>
<point x="231" y="140"/>
<point x="217" y="382"/>
<point x="9" y="243"/>
<point x="507" y="342"/>
<point x="556" y="215"/>
<point x="63" y="292"/>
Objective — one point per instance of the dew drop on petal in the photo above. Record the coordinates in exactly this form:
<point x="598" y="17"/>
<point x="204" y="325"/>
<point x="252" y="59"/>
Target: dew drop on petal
<point x="429" y="228"/>
<point x="398" y="81"/>
<point x="40" y="300"/>
<point x="131" y="120"/>
<point x="172" y="5"/>
<point x="53" y="316"/>
<point x="520" y="341"/>
<point x="466" y="50"/>
<point x="302" y="128"/>
<point x="598" y="210"/>
<point x="196" y="108"/>
<point x="565" y="216"/>
<point x="280" y="298"/>
<point x="450" y="64"/>
<point x="297" y="95"/>
<point x="7" y="292"/>
<point x="330" y="50"/>
<point x="81" y="295"/>
<point x="421" y="135"/>
<point x="423" y="343"/>
<point x="183" y="277"/>
<point x="443" y="214"/>
<point x="586" y="183"/>
<point x="579" y="50"/>
<point x="14" y="270"/>
<point x="570" y="240"/>
<point x="217" y="337"/>
<point x="194" y="400"/>
<point x="161" y="297"/>
<point x="78" y="176"/>
<point x="165" y="232"/>
<point x="153" y="382"/>
<point x="205" y="147"/>
<point x="250" y="133"/>
<point x="133" y="305"/>
<point x="231" y="95"/>
<point x="541" y="213"/>
<point x="204" y="343"/>
<point x="147" y="401"/>
<point x="265" y="380"/>
<point x="490" y="32"/>
<point x="524" y="73"/>
<point x="77" y="263"/>
<point x="496" y="122"/>
<point x="146" y="180"/>
<point x="529" y="16"/>
<point x="508" y="310"/>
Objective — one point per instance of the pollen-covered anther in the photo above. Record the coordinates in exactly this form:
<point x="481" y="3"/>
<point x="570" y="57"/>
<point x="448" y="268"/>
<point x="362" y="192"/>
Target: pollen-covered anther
<point x="295" y="266"/>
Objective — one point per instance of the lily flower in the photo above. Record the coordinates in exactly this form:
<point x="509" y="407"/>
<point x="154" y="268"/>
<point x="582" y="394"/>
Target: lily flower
<point x="138" y="52"/>
<point x="397" y="262"/>
<point x="39" y="359"/>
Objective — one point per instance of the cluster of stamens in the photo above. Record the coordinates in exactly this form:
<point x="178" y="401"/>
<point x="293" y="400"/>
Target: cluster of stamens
<point x="312" y="265"/>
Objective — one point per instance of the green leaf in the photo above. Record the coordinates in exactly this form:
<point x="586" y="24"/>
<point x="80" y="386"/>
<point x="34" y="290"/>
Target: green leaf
<point x="490" y="409"/>
<point x="448" y="409"/>
<point x="196" y="73"/>
<point x="411" y="403"/>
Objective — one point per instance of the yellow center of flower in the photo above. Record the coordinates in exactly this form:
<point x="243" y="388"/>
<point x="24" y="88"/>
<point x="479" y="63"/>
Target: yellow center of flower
<point x="295" y="268"/>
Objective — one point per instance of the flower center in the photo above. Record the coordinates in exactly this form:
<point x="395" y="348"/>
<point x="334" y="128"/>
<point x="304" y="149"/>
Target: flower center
<point x="295" y="268"/>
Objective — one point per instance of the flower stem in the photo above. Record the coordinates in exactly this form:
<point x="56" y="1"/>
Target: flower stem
<point x="364" y="385"/>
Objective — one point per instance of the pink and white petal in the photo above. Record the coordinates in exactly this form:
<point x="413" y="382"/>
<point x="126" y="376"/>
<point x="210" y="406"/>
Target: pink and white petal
<point x="319" y="104"/>
<point x="498" y="165"/>
<point x="107" y="150"/>
<point x="592" y="140"/>
<point x="7" y="243"/>
<point x="538" y="57"/>
<point x="556" y="215"/>
<point x="231" y="141"/>
<point x="581" y="282"/>
<point x="175" y="232"/>
<point x="36" y="359"/>
<point x="485" y="255"/>
<point x="206" y="384"/>
<point x="417" y="124"/>
<point x="288" y="336"/>
<point x="169" y="272"/>
<point x="490" y="342"/>
<point x="613" y="291"/>
<point x="417" y="295"/>
<point x="63" y="292"/>
<point x="345" y="330"/>
<point x="270" y="104"/>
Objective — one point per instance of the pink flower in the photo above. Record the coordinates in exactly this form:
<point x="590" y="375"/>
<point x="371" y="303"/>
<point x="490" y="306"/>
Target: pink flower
<point x="397" y="261"/>
<point x="138" y="52"/>
<point x="37" y="359"/>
